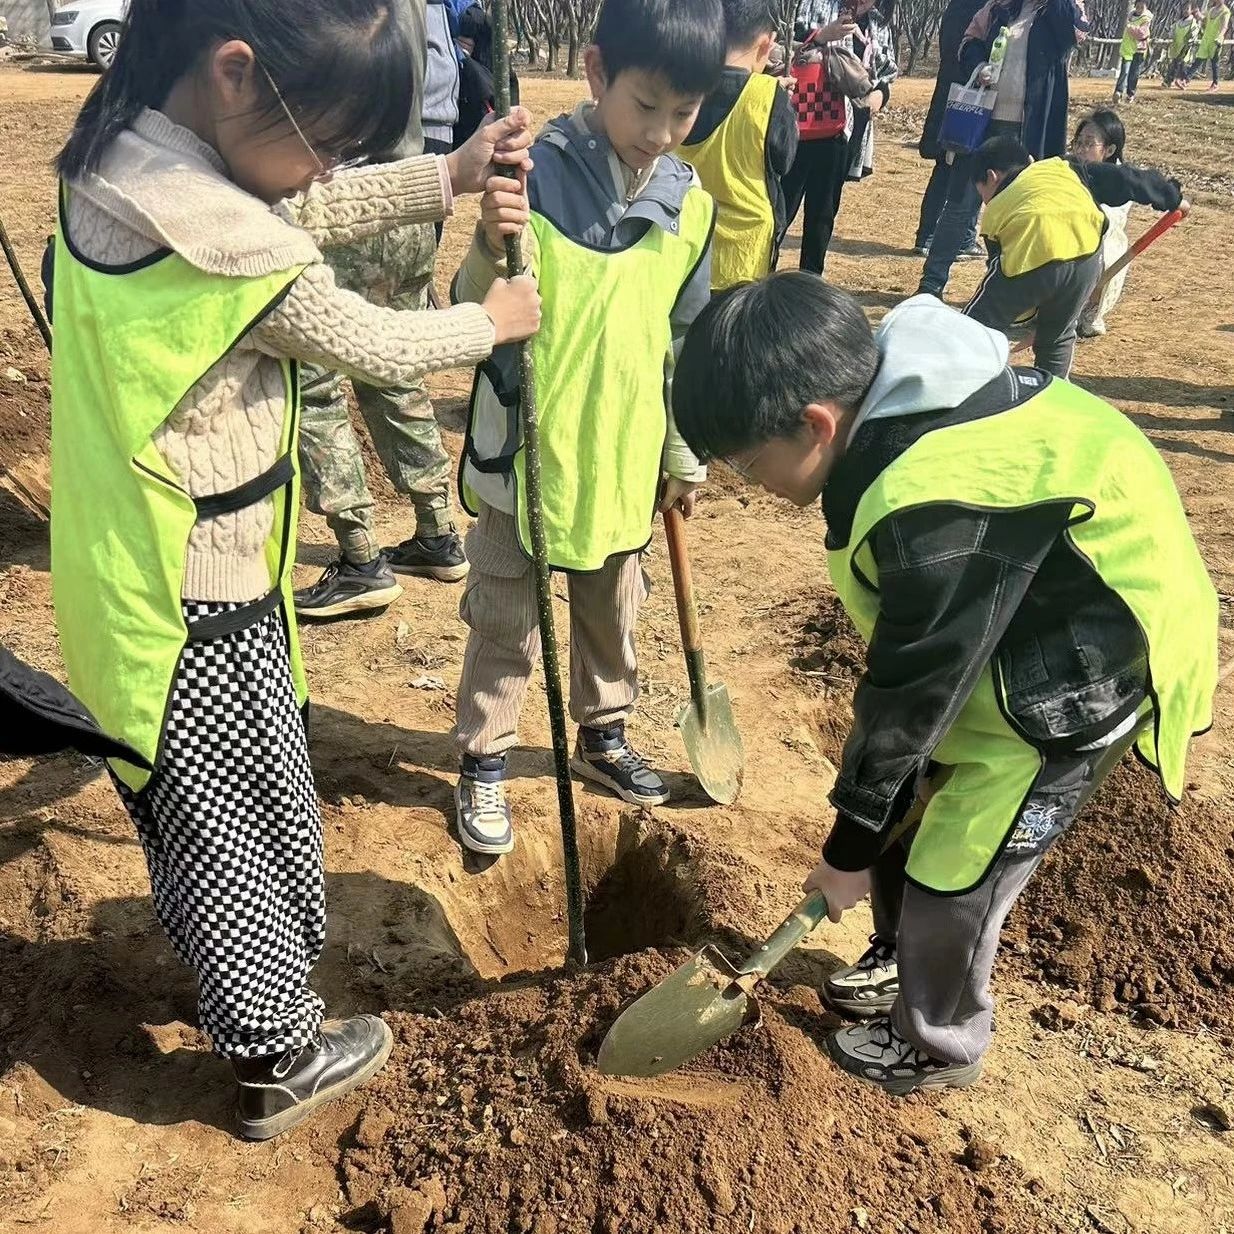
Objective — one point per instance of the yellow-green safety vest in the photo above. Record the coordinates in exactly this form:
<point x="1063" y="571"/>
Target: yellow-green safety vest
<point x="732" y="164"/>
<point x="1062" y="444"/>
<point x="131" y="341"/>
<point x="600" y="356"/>
<point x="1044" y="215"/>
<point x="1214" y="31"/>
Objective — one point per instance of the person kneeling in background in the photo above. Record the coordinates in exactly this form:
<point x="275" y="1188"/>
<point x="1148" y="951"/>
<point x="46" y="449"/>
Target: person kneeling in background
<point x="1015" y="554"/>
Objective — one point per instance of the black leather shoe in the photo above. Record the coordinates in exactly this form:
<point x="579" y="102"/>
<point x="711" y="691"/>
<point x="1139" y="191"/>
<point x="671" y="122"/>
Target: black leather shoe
<point x="280" y="1093"/>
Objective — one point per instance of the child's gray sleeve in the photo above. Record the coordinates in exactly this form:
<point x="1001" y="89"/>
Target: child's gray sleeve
<point x="679" y="460"/>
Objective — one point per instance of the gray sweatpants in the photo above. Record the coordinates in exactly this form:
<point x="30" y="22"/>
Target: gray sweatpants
<point x="1058" y="292"/>
<point x="945" y="944"/>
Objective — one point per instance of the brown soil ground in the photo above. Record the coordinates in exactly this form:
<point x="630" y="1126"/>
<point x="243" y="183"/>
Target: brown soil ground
<point x="1104" y="1100"/>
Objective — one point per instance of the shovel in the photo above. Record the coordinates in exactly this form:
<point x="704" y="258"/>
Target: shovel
<point x="708" y="729"/>
<point x="704" y="1001"/>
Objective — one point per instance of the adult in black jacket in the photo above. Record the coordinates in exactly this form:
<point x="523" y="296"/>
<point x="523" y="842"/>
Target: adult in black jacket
<point x="1031" y="106"/>
<point x="955" y="21"/>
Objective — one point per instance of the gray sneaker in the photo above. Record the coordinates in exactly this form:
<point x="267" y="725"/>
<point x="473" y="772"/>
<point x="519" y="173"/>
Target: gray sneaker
<point x="604" y="756"/>
<point x="870" y="986"/>
<point x="876" y="1053"/>
<point x="345" y="589"/>
<point x="973" y="252"/>
<point x="485" y="824"/>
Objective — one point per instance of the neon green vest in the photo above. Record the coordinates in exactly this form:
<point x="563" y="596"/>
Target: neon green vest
<point x="1060" y="445"/>
<point x="1214" y="31"/>
<point x="732" y="164"/>
<point x="600" y="357"/>
<point x="130" y="343"/>
<point x="1044" y="215"/>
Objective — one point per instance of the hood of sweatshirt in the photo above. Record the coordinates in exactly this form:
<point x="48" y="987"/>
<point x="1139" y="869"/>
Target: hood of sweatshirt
<point x="931" y="358"/>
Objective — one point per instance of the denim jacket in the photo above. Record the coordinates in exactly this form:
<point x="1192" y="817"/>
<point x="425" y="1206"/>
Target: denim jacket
<point x="959" y="588"/>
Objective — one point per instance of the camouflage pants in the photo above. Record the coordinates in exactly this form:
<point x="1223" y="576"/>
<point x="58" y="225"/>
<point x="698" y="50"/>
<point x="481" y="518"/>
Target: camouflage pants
<point x="392" y="270"/>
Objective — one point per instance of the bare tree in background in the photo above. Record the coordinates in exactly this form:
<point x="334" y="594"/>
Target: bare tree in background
<point x="551" y="26"/>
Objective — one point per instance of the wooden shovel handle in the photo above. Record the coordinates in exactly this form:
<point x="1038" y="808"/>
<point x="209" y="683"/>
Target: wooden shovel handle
<point x="1151" y="236"/>
<point x="683" y="580"/>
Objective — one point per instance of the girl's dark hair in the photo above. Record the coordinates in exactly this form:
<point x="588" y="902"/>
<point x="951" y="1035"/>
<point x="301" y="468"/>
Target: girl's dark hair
<point x="759" y="354"/>
<point x="344" y="68"/>
<point x="1108" y="124"/>
<point x="681" y="40"/>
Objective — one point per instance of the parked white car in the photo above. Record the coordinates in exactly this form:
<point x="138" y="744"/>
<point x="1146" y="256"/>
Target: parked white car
<point x="89" y="28"/>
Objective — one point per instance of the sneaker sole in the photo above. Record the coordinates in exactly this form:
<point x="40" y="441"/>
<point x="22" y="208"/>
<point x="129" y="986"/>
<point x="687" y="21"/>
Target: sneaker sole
<point x="443" y="574"/>
<point x="581" y="767"/>
<point x="277" y="1124"/>
<point x="357" y="604"/>
<point x="859" y="1009"/>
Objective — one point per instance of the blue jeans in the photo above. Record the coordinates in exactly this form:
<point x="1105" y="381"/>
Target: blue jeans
<point x="932" y="207"/>
<point x="957" y="223"/>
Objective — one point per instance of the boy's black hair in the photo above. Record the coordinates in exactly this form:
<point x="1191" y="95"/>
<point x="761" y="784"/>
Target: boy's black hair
<point x="1110" y="126"/>
<point x="758" y="355"/>
<point x="1003" y="154"/>
<point x="682" y="41"/>
<point x="746" y="21"/>
<point x="344" y="68"/>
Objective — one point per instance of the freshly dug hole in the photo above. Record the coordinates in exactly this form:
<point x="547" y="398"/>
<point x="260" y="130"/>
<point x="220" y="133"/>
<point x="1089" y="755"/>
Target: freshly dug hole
<point x="648" y="898"/>
<point x="641" y="884"/>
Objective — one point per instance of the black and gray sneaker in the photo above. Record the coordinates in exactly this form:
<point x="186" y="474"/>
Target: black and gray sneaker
<point x="484" y="822"/>
<point x="973" y="252"/>
<point x="604" y="756"/>
<point x="870" y="986"/>
<point x="440" y="557"/>
<point x="280" y="1093"/>
<point x="345" y="588"/>
<point x="875" y="1052"/>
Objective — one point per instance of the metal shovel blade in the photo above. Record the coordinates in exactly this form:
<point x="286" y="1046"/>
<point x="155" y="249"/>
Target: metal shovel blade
<point x="713" y="744"/>
<point x="688" y="1012"/>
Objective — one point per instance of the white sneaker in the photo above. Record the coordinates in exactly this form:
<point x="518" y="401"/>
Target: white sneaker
<point x="870" y="986"/>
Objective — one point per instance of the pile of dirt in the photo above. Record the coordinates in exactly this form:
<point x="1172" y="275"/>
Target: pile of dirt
<point x="493" y="1119"/>
<point x="1132" y="908"/>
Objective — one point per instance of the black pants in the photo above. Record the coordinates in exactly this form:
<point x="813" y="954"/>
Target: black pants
<point x="1177" y="70"/>
<point x="1058" y="292"/>
<point x="1129" y="75"/>
<point x="817" y="178"/>
<point x="946" y="944"/>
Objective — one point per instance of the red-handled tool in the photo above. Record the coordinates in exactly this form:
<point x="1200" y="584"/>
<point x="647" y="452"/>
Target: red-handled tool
<point x="1151" y="236"/>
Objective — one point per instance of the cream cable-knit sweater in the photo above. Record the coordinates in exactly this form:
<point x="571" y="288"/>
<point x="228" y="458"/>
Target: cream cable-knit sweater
<point x="160" y="186"/>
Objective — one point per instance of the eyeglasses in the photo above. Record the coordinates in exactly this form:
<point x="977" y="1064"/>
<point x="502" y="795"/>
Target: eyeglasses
<point x="745" y="467"/>
<point x="331" y="165"/>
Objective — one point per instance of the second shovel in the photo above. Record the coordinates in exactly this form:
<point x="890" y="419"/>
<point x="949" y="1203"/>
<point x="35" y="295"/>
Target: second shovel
<point x="708" y="729"/>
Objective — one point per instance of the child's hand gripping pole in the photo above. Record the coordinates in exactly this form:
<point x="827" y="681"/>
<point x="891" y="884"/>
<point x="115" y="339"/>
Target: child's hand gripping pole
<point x="535" y="517"/>
<point x="1151" y="236"/>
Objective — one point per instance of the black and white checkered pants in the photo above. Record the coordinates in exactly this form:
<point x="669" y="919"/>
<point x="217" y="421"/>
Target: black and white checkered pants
<point x="231" y="830"/>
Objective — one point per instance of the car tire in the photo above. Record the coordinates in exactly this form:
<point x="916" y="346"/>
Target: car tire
<point x="102" y="43"/>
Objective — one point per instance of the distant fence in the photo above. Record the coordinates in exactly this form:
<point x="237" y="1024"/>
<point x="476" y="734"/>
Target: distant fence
<point x="1103" y="53"/>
